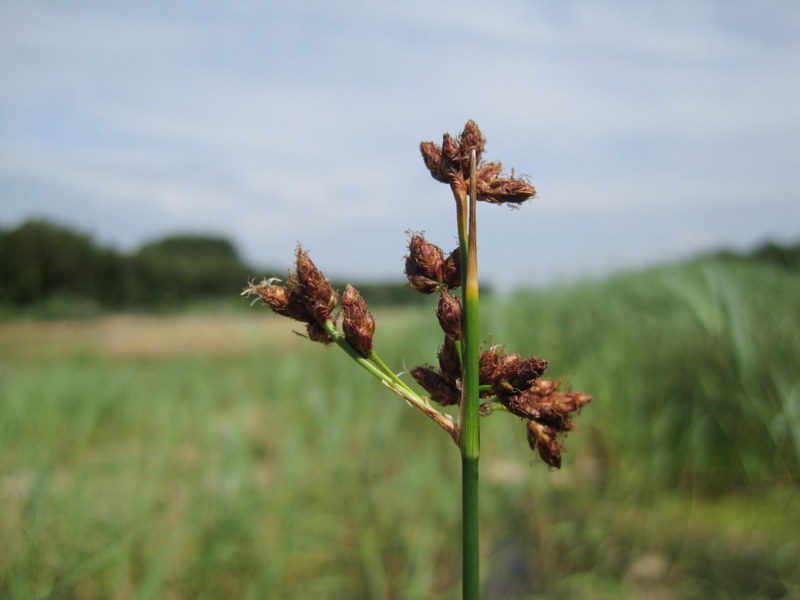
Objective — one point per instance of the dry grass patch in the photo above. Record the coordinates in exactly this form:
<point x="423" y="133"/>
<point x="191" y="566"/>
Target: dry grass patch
<point x="145" y="336"/>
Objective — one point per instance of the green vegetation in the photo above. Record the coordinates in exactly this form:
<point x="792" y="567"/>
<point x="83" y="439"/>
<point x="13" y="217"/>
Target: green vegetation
<point x="200" y="456"/>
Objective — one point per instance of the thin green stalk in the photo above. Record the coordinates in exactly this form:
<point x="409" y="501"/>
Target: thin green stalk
<point x="469" y="441"/>
<point x="390" y="380"/>
<point x="384" y="367"/>
<point x="338" y="338"/>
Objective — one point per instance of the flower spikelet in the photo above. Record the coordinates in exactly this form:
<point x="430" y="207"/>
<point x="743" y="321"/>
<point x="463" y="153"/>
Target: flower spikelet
<point x="439" y="389"/>
<point x="450" y="361"/>
<point x="449" y="313"/>
<point x="424" y="264"/>
<point x="358" y="324"/>
<point x="283" y="300"/>
<point x="318" y="295"/>
<point x="548" y="412"/>
<point x="544" y="440"/>
<point x="449" y="163"/>
<point x="509" y="373"/>
<point x="451" y="270"/>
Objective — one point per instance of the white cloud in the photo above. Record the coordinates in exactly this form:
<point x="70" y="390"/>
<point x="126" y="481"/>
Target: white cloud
<point x="304" y="118"/>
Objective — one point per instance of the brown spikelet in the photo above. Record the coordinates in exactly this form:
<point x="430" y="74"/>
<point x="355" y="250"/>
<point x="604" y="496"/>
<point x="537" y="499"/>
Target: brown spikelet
<point x="316" y="333"/>
<point x="505" y="190"/>
<point x="556" y="408"/>
<point x="489" y="172"/>
<point x="545" y="404"/>
<point x="449" y="313"/>
<point x="451" y="269"/>
<point x="450" y="361"/>
<point x="544" y="440"/>
<point x="318" y="295"/>
<point x="451" y="164"/>
<point x="439" y="389"/>
<point x="519" y="373"/>
<point x="283" y="300"/>
<point x="432" y="156"/>
<point x="509" y="373"/>
<point x="358" y="324"/>
<point x="424" y="264"/>
<point x="489" y="366"/>
<point x="470" y="139"/>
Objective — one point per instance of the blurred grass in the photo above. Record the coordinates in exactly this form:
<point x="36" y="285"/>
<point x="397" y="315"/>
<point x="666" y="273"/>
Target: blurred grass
<point x="222" y="456"/>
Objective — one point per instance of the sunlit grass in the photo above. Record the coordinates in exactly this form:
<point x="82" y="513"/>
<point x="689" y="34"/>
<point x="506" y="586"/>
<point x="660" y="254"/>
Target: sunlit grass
<point x="200" y="457"/>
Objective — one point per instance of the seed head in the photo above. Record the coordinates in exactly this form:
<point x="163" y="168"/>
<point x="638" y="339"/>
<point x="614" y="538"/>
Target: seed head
<point x="439" y="389"/>
<point x="545" y="404"/>
<point x="424" y="264"/>
<point x="449" y="314"/>
<point x="489" y="366"/>
<point x="451" y="269"/>
<point x="555" y="409"/>
<point x="470" y="139"/>
<point x="449" y="163"/>
<point x="357" y="323"/>
<point x="544" y="440"/>
<point x="509" y="373"/>
<point x="505" y="190"/>
<point x="318" y="295"/>
<point x="283" y="300"/>
<point x="519" y="373"/>
<point x="432" y="156"/>
<point x="450" y="361"/>
<point x="317" y="333"/>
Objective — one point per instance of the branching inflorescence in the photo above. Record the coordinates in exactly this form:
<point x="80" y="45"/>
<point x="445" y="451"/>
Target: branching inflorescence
<point x="508" y="382"/>
<point x="477" y="383"/>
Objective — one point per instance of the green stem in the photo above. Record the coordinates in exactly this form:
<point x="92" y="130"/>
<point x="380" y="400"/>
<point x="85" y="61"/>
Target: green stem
<point x="390" y="380"/>
<point x="470" y="417"/>
<point x="373" y="356"/>
<point x="340" y="341"/>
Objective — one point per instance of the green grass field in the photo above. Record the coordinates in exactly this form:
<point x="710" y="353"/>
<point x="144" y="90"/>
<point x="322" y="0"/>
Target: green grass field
<point x="222" y="456"/>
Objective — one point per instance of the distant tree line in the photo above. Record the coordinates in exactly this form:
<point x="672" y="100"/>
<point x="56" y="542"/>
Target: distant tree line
<point x="41" y="260"/>
<point x="786" y="256"/>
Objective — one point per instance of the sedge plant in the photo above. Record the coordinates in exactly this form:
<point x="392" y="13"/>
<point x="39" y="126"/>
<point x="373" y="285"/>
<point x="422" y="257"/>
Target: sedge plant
<point x="479" y="382"/>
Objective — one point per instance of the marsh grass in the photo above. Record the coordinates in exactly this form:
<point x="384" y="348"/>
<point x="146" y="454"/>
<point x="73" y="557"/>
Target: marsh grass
<point x="154" y="458"/>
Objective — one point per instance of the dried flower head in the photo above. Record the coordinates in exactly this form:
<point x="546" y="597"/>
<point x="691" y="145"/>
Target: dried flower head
<point x="432" y="157"/>
<point x="504" y="190"/>
<point x="317" y="333"/>
<point x="318" y="295"/>
<point x="451" y="269"/>
<point x="283" y="300"/>
<point x="489" y="366"/>
<point x="450" y="361"/>
<point x="440" y="390"/>
<point x="544" y="440"/>
<point x="449" y="313"/>
<point x="358" y="324"/>
<point x="306" y="296"/>
<point x="548" y="413"/>
<point x="424" y="264"/>
<point x="449" y="163"/>
<point x="509" y="373"/>
<point x="545" y="404"/>
<point x="470" y="139"/>
<point x="519" y="373"/>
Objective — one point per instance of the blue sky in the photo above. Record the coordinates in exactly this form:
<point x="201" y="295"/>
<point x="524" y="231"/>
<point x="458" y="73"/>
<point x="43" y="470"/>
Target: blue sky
<point x="651" y="130"/>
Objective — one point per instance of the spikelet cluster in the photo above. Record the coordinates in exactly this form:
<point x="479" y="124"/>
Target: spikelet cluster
<point x="508" y="382"/>
<point x="449" y="163"/>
